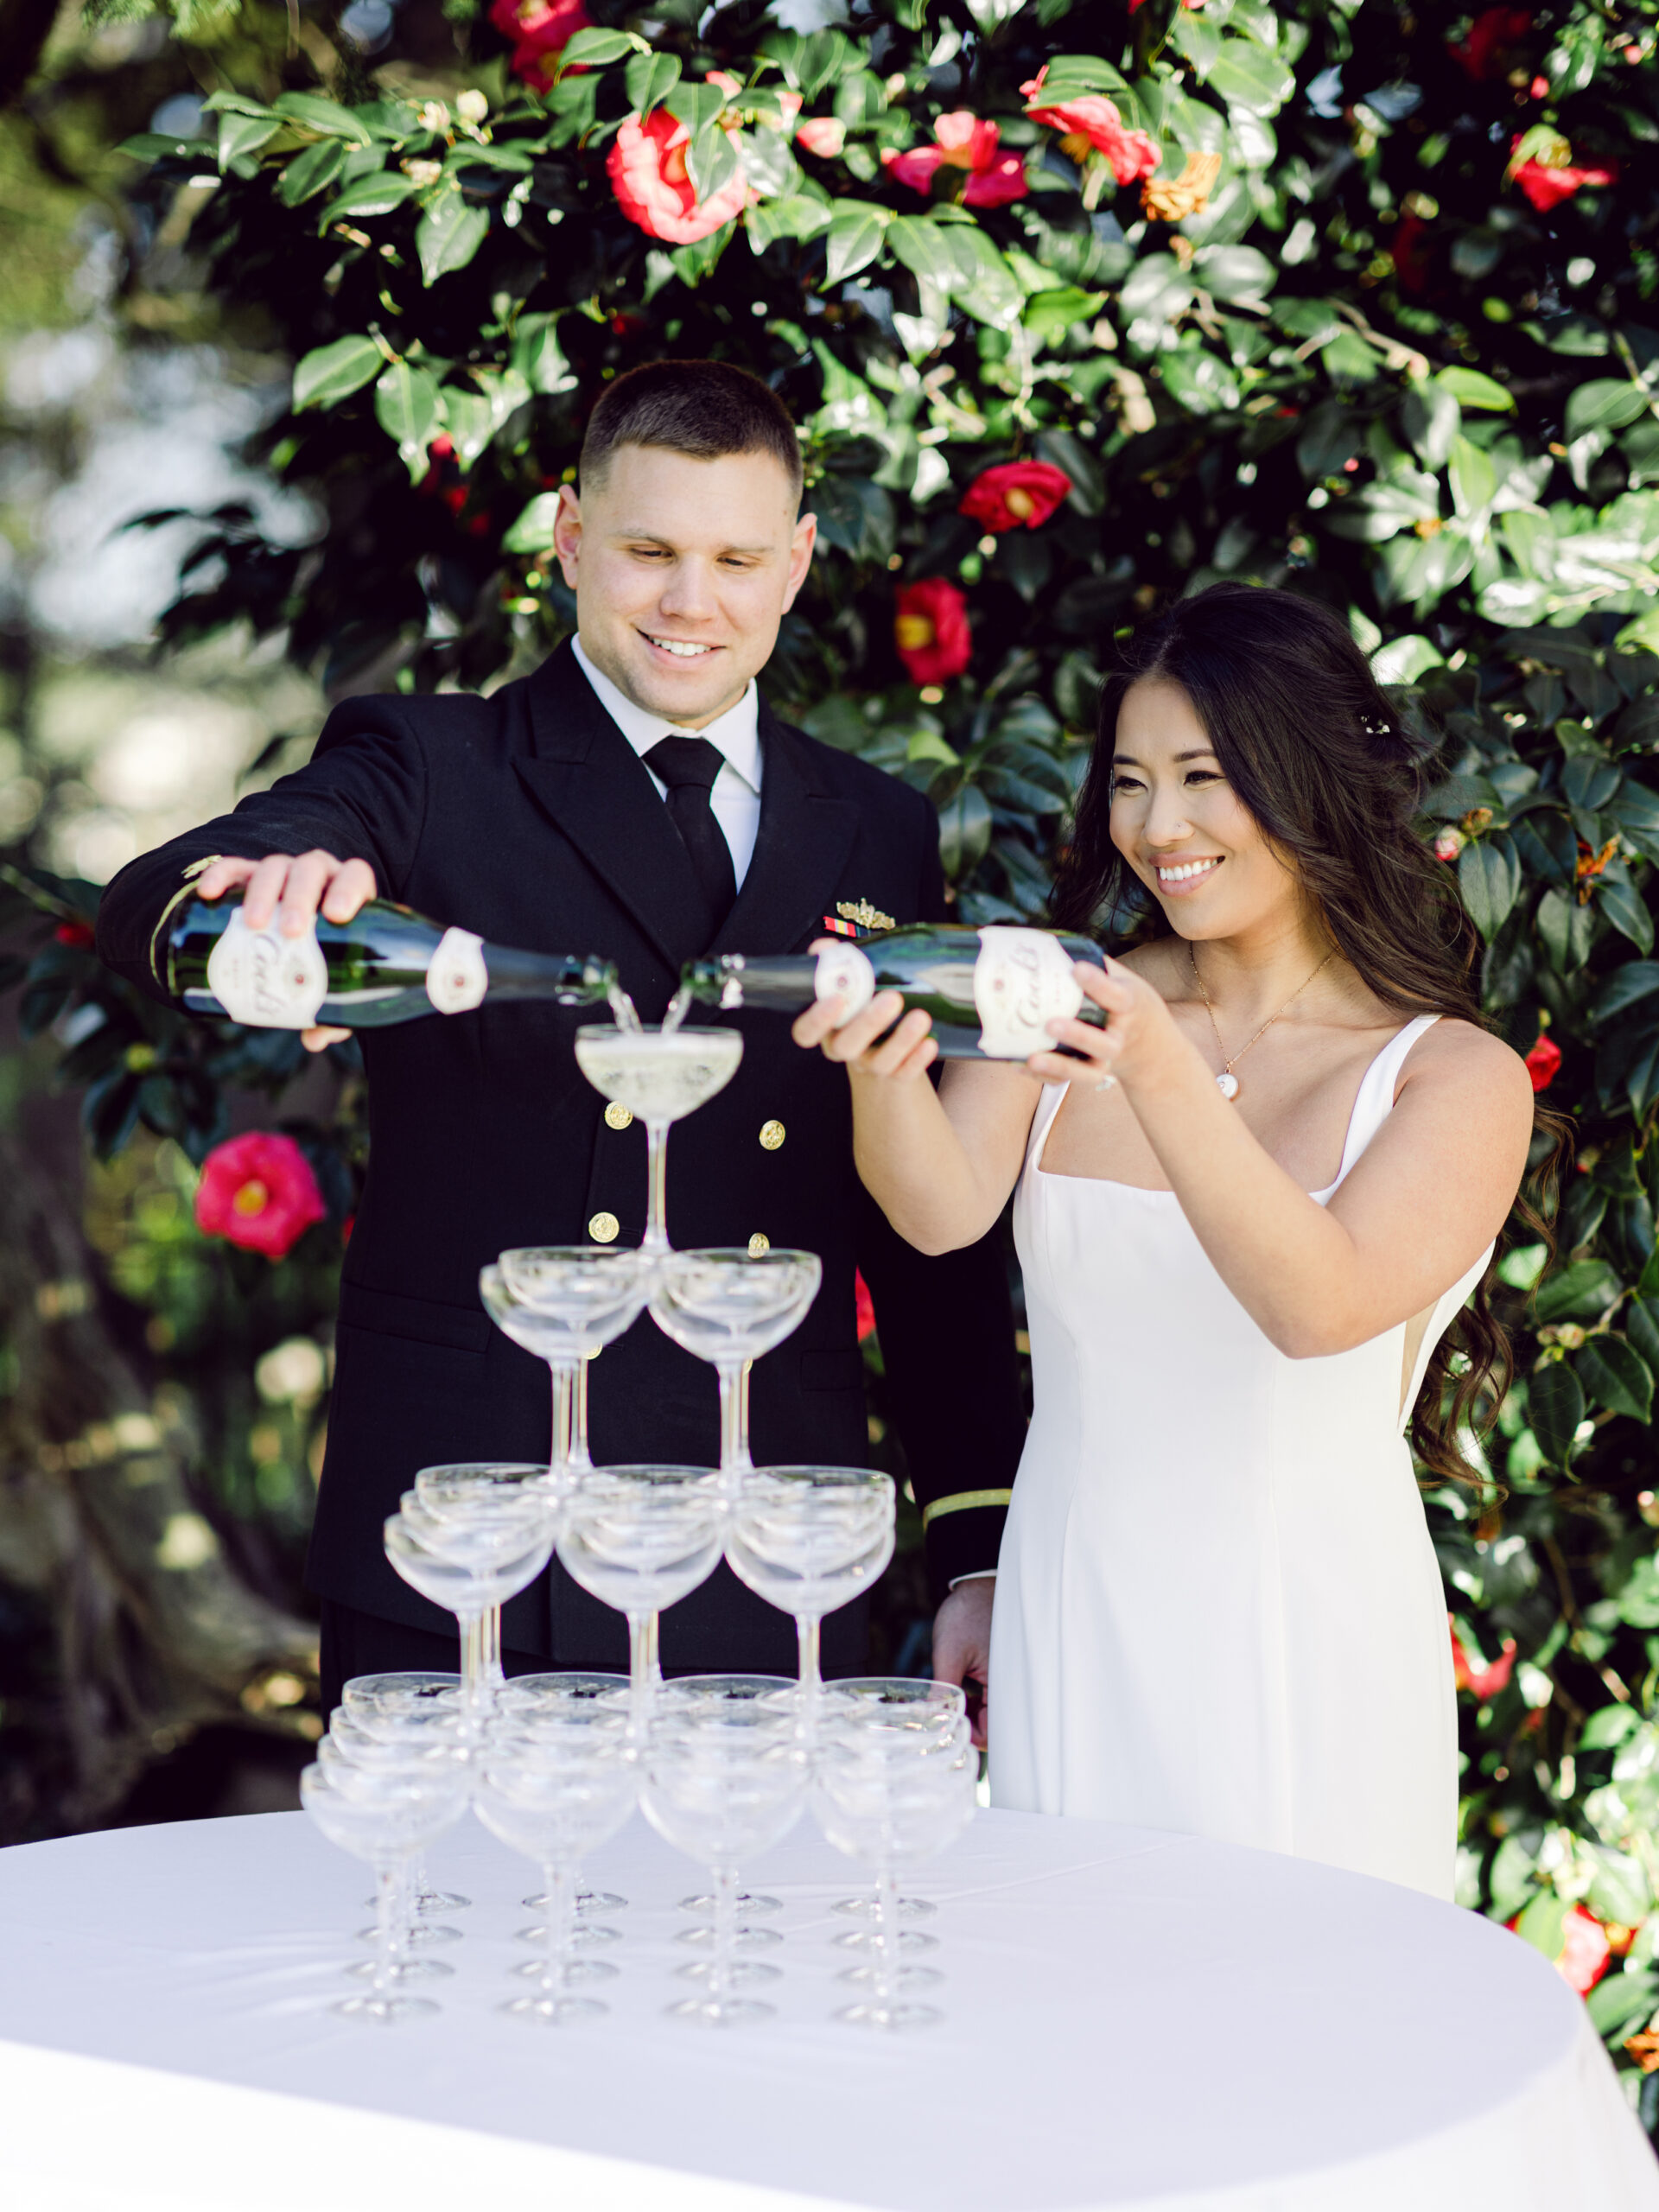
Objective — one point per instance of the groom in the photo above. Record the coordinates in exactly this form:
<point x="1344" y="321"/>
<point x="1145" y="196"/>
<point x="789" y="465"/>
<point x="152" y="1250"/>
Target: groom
<point x="633" y="797"/>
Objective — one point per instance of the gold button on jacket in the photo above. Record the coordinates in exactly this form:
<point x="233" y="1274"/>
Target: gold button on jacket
<point x="772" y="1135"/>
<point x="759" y="1242"/>
<point x="603" y="1228"/>
<point x="617" y="1115"/>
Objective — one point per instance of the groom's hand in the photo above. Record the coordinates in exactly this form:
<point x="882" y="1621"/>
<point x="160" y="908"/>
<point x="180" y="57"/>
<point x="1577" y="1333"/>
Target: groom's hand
<point x="291" y="889"/>
<point x="961" y="1645"/>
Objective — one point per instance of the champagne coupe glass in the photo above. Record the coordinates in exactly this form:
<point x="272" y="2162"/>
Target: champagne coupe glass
<point x="741" y="1697"/>
<point x="555" y="1796"/>
<point x="385" y="1819"/>
<point x="728" y="1306"/>
<point x="527" y="1700"/>
<point x="640" y="1538"/>
<point x="896" y="1706"/>
<point x="721" y="1793"/>
<point x="472" y="1492"/>
<point x="467" y="1569"/>
<point x="892" y="1802"/>
<point x="809" y="1540"/>
<point x="570" y="1300"/>
<point x="414" y="1748"/>
<point x="661" y="1075"/>
<point x="415" y="1696"/>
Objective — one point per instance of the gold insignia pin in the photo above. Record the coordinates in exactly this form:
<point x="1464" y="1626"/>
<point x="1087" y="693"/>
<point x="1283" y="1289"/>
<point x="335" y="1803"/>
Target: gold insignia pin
<point x="863" y="915"/>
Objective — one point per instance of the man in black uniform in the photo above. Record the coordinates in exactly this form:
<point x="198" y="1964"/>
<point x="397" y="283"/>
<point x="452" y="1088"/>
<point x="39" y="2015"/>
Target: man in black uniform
<point x="633" y="797"/>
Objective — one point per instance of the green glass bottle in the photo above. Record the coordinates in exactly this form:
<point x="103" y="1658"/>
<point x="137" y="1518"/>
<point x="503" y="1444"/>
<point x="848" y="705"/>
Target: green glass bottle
<point x="991" y="992"/>
<point x="386" y="964"/>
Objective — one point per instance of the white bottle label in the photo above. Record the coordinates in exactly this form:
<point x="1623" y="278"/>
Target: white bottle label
<point x="265" y="980"/>
<point x="1023" y="980"/>
<point x="845" y="973"/>
<point x="457" y="978"/>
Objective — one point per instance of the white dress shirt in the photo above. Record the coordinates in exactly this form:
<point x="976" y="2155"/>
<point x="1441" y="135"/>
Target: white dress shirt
<point x="735" y="735"/>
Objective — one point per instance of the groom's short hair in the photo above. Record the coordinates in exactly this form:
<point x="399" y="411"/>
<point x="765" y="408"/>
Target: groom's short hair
<point x="705" y="409"/>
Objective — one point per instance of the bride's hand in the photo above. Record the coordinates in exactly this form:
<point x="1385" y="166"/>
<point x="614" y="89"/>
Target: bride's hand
<point x="1140" y="1033"/>
<point x="863" y="1043"/>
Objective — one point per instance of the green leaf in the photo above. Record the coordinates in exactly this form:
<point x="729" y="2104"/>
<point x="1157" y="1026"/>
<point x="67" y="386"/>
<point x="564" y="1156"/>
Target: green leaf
<point x="965" y="830"/>
<point x="409" y="407"/>
<point x="311" y="112"/>
<point x="922" y="248"/>
<point x="243" y="134"/>
<point x="1616" y="1376"/>
<point x="1470" y="388"/>
<point x="1620" y="2002"/>
<point x="1332" y="434"/>
<point x="792" y="217"/>
<point x="1431" y="418"/>
<point x="1604" y="403"/>
<point x="650" y="78"/>
<point x="1050" y="314"/>
<point x="312" y="171"/>
<point x="1635" y="980"/>
<point x="710" y="160"/>
<point x="594" y="49"/>
<point x="330" y="373"/>
<point x="1234" y="272"/>
<point x="1543" y="1924"/>
<point x="695" y="105"/>
<point x="1624" y="907"/>
<point x="1582" y="1290"/>
<point x="856" y="230"/>
<point x="153" y="146"/>
<point x="1247" y="76"/>
<point x="532" y="531"/>
<point x="1565" y="927"/>
<point x="1556" y="1402"/>
<point x="537" y="356"/>
<point x="448" y="234"/>
<point x="1641" y="1316"/>
<point x="1069" y="76"/>
<point x="1489" y="877"/>
<point x="1606" y="1729"/>
<point x="1637" y="1597"/>
<point x="374" y="195"/>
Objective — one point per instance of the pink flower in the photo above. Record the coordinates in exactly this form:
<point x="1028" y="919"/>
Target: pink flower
<point x="258" y="1191"/>
<point x="1092" y="124"/>
<point x="1585" y="1951"/>
<point x="1543" y="1062"/>
<point x="1472" y="1675"/>
<point x="930" y="631"/>
<point x="1013" y="492"/>
<point x="822" y="135"/>
<point x="646" y="165"/>
<point x="865" y="1307"/>
<point x="1449" y="843"/>
<point x="540" y="31"/>
<point x="1550" y="176"/>
<point x="963" y="141"/>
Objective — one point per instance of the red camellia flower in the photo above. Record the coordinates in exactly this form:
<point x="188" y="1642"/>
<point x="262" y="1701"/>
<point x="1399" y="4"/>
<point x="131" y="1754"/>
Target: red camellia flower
<point x="822" y="135"/>
<point x="540" y="31"/>
<point x="865" y="1306"/>
<point x="1550" y="176"/>
<point x="1448" y="843"/>
<point x="258" y="1191"/>
<point x="1585" y="1951"/>
<point x="1471" y="1675"/>
<point x="77" y="935"/>
<point x="1409" y="249"/>
<point x="1013" y="492"/>
<point x="1488" y="52"/>
<point x="646" y="165"/>
<point x="963" y="141"/>
<point x="1543" y="1062"/>
<point x="1093" y="124"/>
<point x="931" y="631"/>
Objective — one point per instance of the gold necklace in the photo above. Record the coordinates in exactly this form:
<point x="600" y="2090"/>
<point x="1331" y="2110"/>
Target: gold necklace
<point x="1227" y="1082"/>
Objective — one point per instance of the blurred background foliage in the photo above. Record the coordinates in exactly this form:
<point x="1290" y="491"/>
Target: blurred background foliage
<point x="1353" y="296"/>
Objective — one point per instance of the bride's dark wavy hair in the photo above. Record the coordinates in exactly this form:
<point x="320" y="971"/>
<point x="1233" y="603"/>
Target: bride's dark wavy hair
<point x="1334" y="778"/>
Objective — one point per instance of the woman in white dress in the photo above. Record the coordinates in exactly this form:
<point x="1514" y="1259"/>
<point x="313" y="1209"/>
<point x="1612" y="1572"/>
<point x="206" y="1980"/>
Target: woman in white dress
<point x="1246" y="1214"/>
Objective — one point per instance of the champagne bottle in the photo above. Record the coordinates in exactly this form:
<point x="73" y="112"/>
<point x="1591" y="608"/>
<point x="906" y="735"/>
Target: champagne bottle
<point x="992" y="992"/>
<point x="386" y="964"/>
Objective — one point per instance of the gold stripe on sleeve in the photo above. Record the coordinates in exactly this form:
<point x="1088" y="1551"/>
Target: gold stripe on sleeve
<point x="964" y="1501"/>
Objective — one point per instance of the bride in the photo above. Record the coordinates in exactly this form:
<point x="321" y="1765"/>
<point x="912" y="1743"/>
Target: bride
<point x="1247" y="1212"/>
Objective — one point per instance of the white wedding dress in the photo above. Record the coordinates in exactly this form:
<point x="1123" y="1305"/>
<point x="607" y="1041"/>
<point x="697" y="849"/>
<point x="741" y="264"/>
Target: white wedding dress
<point x="1218" y="1606"/>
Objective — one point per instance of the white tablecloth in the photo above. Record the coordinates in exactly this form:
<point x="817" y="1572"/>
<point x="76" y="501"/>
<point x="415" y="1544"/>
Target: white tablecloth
<point x="1134" y="2019"/>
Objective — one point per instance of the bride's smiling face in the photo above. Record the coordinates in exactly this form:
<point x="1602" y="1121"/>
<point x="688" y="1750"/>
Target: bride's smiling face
<point x="1181" y="827"/>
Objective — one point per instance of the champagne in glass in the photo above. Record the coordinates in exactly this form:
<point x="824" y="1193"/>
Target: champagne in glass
<point x="662" y="1075"/>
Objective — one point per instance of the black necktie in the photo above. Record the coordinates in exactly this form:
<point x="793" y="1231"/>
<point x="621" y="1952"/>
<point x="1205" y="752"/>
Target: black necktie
<point x="689" y="766"/>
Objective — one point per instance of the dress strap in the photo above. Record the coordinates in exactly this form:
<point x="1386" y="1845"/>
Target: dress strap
<point x="1375" y="1100"/>
<point x="1049" y="1102"/>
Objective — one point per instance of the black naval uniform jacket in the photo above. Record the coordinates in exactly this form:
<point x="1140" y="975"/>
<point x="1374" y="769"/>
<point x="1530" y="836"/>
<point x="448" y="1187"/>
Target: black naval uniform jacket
<point x="528" y="817"/>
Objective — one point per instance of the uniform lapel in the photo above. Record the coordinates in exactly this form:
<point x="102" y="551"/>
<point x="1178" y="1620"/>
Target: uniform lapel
<point x="591" y="785"/>
<point x="804" y="845"/>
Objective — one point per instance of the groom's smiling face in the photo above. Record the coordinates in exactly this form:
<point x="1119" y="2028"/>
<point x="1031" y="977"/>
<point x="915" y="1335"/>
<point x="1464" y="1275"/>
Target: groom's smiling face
<point x="682" y="570"/>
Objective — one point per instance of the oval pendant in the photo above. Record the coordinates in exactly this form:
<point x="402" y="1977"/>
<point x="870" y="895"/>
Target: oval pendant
<point x="1227" y="1083"/>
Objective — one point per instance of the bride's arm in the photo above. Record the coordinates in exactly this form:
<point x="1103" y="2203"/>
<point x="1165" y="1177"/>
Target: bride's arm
<point x="1428" y="1195"/>
<point x="940" y="1164"/>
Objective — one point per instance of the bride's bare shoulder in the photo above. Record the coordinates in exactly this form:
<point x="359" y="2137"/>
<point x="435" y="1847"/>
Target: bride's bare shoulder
<point x="1463" y="1054"/>
<point x="1163" y="963"/>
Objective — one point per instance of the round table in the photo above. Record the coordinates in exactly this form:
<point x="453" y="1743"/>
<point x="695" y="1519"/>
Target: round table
<point x="1132" y="2019"/>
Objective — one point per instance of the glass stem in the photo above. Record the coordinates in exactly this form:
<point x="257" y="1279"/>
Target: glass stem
<point x="389" y="1923"/>
<point x="656" y="1236"/>
<point x="887" y="1938"/>
<point x="807" y="1628"/>
<point x="559" y="1453"/>
<point x="581" y="1458"/>
<point x="561" y="1925"/>
<point x="474" y="1679"/>
<point x="734" y="1417"/>
<point x="489" y="1638"/>
<point x="720" y="1970"/>
<point x="644" y="1671"/>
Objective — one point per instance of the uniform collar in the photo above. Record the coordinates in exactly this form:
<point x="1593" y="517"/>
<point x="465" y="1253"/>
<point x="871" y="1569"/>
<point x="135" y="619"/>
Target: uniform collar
<point x="735" y="734"/>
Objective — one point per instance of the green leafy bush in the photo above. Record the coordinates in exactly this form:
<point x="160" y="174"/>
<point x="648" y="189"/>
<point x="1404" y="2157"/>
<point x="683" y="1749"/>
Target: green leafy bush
<point x="1327" y="294"/>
